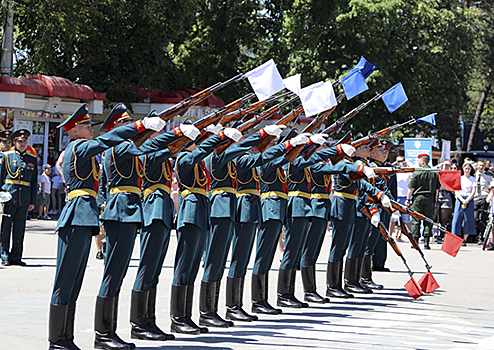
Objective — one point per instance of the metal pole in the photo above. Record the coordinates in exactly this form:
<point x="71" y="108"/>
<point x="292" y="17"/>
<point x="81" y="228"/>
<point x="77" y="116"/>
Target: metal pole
<point x="8" y="44"/>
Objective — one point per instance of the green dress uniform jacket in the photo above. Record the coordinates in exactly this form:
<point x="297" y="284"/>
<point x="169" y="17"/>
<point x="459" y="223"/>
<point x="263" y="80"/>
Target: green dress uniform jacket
<point x="20" y="177"/>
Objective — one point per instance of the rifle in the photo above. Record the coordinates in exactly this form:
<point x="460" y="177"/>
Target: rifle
<point x="382" y="170"/>
<point x="261" y="146"/>
<point x="293" y="153"/>
<point x="404" y="229"/>
<point x="240" y="114"/>
<point x="362" y="141"/>
<point x="184" y="105"/>
<point x="405" y="210"/>
<point x="391" y="241"/>
<point x="253" y="122"/>
<point x="176" y="145"/>
<point x="337" y="125"/>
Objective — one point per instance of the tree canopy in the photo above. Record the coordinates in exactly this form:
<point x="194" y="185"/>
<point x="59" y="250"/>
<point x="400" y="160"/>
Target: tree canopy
<point x="434" y="47"/>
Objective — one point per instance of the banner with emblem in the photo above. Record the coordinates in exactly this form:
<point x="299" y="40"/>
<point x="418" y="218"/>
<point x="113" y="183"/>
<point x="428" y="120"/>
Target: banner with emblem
<point x="416" y="146"/>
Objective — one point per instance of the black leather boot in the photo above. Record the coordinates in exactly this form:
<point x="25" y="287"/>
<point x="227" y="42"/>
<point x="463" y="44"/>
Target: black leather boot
<point x="104" y="325"/>
<point x="333" y="280"/>
<point x="352" y="283"/>
<point x="234" y="300"/>
<point x="209" y="306"/>
<point x="57" y="328"/>
<point x="309" y="282"/>
<point x="366" y="274"/>
<point x="70" y="326"/>
<point x="286" y="290"/>
<point x="260" y="303"/>
<point x="139" y="317"/>
<point x="178" y="311"/>
<point x="152" y="316"/>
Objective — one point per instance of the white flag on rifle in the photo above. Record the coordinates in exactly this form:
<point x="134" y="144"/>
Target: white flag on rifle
<point x="265" y="80"/>
<point x="293" y="84"/>
<point x="318" y="98"/>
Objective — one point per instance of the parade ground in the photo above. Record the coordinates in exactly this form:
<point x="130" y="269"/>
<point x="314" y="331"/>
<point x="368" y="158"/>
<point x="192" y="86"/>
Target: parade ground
<point x="459" y="315"/>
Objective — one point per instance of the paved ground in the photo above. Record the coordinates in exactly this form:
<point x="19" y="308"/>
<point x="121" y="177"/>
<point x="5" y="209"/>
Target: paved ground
<point x="460" y="315"/>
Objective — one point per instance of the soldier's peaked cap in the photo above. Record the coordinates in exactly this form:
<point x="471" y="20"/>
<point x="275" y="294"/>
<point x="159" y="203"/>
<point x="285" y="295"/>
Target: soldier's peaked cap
<point x="292" y="133"/>
<point x="5" y="134"/>
<point x="374" y="144"/>
<point x="80" y="116"/>
<point x="345" y="139"/>
<point x="386" y="144"/>
<point x="21" y="134"/>
<point x="118" y="113"/>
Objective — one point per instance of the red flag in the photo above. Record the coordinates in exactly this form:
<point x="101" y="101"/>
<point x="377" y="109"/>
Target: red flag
<point x="450" y="179"/>
<point x="413" y="288"/>
<point x="451" y="244"/>
<point x="428" y="283"/>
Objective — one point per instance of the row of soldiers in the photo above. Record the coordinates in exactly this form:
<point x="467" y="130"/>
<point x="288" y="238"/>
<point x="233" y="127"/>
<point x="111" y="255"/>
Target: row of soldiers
<point x="226" y="201"/>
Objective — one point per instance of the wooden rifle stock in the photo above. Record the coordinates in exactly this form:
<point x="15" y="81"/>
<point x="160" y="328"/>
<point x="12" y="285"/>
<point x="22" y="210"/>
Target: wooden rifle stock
<point x="383" y="170"/>
<point x="391" y="241"/>
<point x="178" y="144"/>
<point x="261" y="146"/>
<point x="253" y="122"/>
<point x="183" y="106"/>
<point x="294" y="152"/>
<point x="173" y="111"/>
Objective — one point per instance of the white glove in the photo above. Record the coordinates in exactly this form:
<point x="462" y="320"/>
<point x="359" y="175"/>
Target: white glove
<point x="233" y="134"/>
<point x="385" y="201"/>
<point x="375" y="219"/>
<point x="318" y="138"/>
<point x="299" y="140"/>
<point x="369" y="172"/>
<point x="214" y="129"/>
<point x="348" y="149"/>
<point x="153" y="123"/>
<point x="274" y="130"/>
<point x="395" y="216"/>
<point x="189" y="131"/>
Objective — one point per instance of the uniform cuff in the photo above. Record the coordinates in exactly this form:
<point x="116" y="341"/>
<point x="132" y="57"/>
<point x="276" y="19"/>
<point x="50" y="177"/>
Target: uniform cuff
<point x="222" y="135"/>
<point x="379" y="194"/>
<point x="360" y="170"/>
<point x="139" y="126"/>
<point x="262" y="133"/>
<point x="339" y="149"/>
<point x="287" y="145"/>
<point x="374" y="210"/>
<point x="178" y="132"/>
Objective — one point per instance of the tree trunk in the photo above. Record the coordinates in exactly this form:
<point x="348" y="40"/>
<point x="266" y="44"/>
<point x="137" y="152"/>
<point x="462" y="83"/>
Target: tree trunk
<point x="476" y="119"/>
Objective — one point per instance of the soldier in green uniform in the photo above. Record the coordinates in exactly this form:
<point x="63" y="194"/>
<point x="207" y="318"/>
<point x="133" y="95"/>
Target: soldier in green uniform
<point x="223" y="174"/>
<point x="248" y="220"/>
<point x="375" y="234"/>
<point x="381" y="251"/>
<point x="122" y="218"/>
<point x="424" y="187"/>
<point x="320" y="175"/>
<point x="158" y="213"/>
<point x="79" y="219"/>
<point x="274" y="198"/>
<point x="5" y="140"/>
<point x="344" y="219"/>
<point x="299" y="212"/>
<point x="360" y="235"/>
<point x="193" y="224"/>
<point x="19" y="177"/>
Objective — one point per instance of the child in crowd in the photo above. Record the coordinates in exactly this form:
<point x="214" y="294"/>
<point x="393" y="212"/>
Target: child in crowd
<point x="44" y="201"/>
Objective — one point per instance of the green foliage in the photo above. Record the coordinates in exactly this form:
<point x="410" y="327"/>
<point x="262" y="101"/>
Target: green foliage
<point x="432" y="46"/>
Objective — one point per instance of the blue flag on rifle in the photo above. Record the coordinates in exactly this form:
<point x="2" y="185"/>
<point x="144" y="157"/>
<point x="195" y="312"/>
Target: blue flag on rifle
<point x="365" y="67"/>
<point x="394" y="97"/>
<point x="354" y="83"/>
<point x="431" y="119"/>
